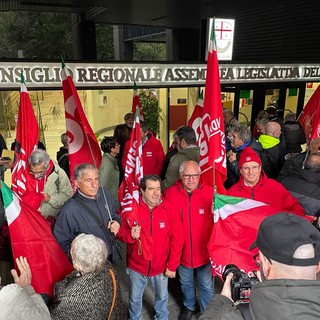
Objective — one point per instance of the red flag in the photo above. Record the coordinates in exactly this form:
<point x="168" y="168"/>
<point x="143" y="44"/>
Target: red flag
<point x="236" y="226"/>
<point x="31" y="237"/>
<point x="310" y="117"/>
<point x="196" y="117"/>
<point x="136" y="101"/>
<point x="83" y="146"/>
<point x="26" y="140"/>
<point x="212" y="137"/>
<point x="129" y="188"/>
<point x="133" y="172"/>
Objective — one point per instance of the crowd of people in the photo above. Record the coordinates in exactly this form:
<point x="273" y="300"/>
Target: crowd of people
<point x="174" y="221"/>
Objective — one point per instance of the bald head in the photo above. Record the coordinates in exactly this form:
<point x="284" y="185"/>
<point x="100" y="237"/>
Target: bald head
<point x="273" y="129"/>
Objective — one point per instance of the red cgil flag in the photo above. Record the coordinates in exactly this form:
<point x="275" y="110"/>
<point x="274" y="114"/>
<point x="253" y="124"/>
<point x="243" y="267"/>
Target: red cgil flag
<point x="83" y="146"/>
<point x="212" y="136"/>
<point x="26" y="140"/>
<point x="310" y="117"/>
<point x="31" y="237"/>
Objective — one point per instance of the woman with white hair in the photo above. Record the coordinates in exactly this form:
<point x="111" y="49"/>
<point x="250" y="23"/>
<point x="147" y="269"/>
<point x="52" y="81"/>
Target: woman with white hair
<point x="91" y="291"/>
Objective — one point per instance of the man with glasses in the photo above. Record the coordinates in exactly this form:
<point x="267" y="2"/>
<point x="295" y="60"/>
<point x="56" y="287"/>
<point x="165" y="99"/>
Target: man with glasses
<point x="254" y="184"/>
<point x="195" y="203"/>
<point x="48" y="186"/>
<point x="288" y="258"/>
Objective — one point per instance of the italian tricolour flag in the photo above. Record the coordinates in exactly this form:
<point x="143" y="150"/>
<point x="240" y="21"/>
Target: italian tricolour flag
<point x="236" y="226"/>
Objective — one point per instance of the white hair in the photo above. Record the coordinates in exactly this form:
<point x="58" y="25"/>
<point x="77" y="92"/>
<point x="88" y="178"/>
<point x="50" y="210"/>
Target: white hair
<point x="88" y="253"/>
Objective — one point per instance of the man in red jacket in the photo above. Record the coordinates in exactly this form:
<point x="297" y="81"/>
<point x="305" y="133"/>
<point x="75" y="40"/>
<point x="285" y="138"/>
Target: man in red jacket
<point x="254" y="184"/>
<point x="152" y="152"/>
<point x="195" y="202"/>
<point x="154" y="243"/>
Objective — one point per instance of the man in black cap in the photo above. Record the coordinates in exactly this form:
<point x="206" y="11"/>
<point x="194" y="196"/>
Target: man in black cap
<point x="289" y="251"/>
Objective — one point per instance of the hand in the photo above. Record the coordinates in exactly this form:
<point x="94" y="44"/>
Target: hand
<point x="226" y="290"/>
<point x="135" y="232"/>
<point x="232" y="156"/>
<point x="170" y="274"/>
<point x="6" y="163"/>
<point x="114" y="226"/>
<point x="47" y="197"/>
<point x="25" y="272"/>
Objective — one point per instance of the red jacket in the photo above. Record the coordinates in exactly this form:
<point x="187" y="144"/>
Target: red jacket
<point x="197" y="220"/>
<point x="164" y="226"/>
<point x="269" y="191"/>
<point x="152" y="156"/>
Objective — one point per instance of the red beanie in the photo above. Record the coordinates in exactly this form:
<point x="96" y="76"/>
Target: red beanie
<point x="247" y="155"/>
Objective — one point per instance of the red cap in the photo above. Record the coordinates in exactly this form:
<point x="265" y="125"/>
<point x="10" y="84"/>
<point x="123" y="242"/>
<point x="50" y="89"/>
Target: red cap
<point x="247" y="155"/>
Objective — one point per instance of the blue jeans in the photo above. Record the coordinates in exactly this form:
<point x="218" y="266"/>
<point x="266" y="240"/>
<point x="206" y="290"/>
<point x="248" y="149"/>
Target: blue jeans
<point x="205" y="284"/>
<point x="137" y="284"/>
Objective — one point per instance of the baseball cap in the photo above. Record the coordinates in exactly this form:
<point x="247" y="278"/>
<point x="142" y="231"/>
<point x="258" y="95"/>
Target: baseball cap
<point x="280" y="235"/>
<point x="247" y="155"/>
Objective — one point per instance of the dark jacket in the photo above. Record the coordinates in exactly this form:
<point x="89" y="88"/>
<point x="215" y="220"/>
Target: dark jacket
<point x="74" y="219"/>
<point x="273" y="155"/>
<point x="63" y="160"/>
<point x="272" y="299"/>
<point x="292" y="166"/>
<point x="295" y="137"/>
<point x="306" y="188"/>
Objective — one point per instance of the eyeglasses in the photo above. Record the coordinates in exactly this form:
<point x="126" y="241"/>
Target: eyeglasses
<point x="39" y="173"/>
<point x="253" y="168"/>
<point x="191" y="176"/>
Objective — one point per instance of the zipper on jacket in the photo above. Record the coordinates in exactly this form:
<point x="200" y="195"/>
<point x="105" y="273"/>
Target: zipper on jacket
<point x="252" y="193"/>
<point x="190" y="229"/>
<point x="151" y="217"/>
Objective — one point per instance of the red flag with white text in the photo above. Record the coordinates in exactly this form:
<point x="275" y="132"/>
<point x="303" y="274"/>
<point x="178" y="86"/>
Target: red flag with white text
<point x="129" y="188"/>
<point x="27" y="136"/>
<point x="310" y="117"/>
<point x="212" y="137"/>
<point x="196" y="117"/>
<point x="31" y="237"/>
<point x="236" y="223"/>
<point x="83" y="146"/>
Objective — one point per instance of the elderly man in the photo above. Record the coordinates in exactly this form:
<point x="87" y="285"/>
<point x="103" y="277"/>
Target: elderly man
<point x="47" y="184"/>
<point x="195" y="203"/>
<point x="254" y="184"/>
<point x="240" y="137"/>
<point x="91" y="210"/>
<point x="289" y="251"/>
<point x="187" y="150"/>
<point x="154" y="244"/>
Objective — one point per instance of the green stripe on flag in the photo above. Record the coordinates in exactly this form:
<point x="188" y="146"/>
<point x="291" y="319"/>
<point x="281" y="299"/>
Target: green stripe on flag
<point x="6" y="194"/>
<point x="11" y="203"/>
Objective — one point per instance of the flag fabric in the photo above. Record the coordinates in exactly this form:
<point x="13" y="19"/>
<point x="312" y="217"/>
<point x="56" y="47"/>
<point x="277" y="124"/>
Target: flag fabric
<point x="196" y="117"/>
<point x="83" y="146"/>
<point x="212" y="136"/>
<point x="31" y="237"/>
<point x="26" y="140"/>
<point x="129" y="188"/>
<point x="310" y="117"/>
<point x="236" y="223"/>
<point x="136" y="101"/>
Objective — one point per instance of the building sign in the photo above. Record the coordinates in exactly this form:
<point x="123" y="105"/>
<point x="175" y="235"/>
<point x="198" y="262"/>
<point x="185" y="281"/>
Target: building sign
<point x="224" y="29"/>
<point x="96" y="75"/>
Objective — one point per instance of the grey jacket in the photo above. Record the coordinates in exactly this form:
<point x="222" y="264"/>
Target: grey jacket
<point x="280" y="299"/>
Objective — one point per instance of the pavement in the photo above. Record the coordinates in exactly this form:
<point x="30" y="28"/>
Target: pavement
<point x="175" y="304"/>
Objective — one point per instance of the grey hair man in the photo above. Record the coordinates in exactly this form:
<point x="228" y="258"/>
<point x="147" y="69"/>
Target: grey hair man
<point x="91" y="210"/>
<point x="288" y="257"/>
<point x="187" y="150"/>
<point x="47" y="181"/>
